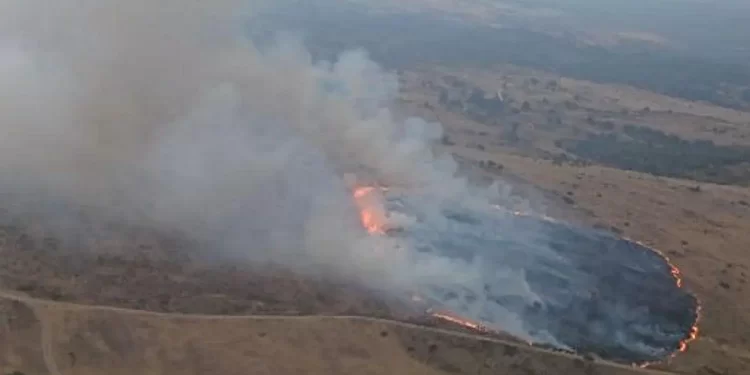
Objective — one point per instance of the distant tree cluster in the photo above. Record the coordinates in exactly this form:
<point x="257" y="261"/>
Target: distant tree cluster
<point x="648" y="150"/>
<point x="477" y="105"/>
<point x="478" y="101"/>
<point x="434" y="40"/>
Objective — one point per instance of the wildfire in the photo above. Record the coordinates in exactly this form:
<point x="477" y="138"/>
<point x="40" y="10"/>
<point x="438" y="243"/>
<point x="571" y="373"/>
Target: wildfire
<point x="677" y="276"/>
<point x="363" y="191"/>
<point x="370" y="215"/>
<point x="373" y="219"/>
<point x="693" y="335"/>
<point x="453" y="318"/>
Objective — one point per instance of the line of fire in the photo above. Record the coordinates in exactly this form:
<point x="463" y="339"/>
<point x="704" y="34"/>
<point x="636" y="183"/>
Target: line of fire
<point x="374" y="219"/>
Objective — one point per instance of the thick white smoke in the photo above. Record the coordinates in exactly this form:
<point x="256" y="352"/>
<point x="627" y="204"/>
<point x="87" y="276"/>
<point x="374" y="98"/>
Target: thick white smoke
<point x="163" y="112"/>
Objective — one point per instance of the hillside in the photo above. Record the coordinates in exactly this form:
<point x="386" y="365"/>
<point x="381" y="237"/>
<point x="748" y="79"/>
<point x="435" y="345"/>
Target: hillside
<point x="41" y="337"/>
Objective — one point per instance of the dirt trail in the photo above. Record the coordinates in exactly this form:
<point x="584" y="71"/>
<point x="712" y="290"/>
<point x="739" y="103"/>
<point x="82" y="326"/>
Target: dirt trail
<point x="48" y="348"/>
<point x="46" y="340"/>
<point x="44" y="328"/>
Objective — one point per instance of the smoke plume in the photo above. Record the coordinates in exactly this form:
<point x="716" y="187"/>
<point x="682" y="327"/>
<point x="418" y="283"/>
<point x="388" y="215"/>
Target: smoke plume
<point x="164" y="113"/>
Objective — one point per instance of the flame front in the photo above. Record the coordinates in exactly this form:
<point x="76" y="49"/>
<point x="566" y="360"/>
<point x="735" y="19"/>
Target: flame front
<point x="693" y="331"/>
<point x="682" y="346"/>
<point x="453" y="318"/>
<point x="370" y="214"/>
<point x="373" y="219"/>
<point x="677" y="276"/>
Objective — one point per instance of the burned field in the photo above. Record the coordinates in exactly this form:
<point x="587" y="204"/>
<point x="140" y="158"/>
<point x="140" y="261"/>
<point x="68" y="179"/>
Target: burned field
<point x="550" y="283"/>
<point x="541" y="281"/>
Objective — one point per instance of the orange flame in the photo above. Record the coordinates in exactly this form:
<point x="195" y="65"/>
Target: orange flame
<point x="373" y="220"/>
<point x="677" y="276"/>
<point x="694" y="330"/>
<point x="361" y="192"/>
<point x="453" y="318"/>
<point x="370" y="215"/>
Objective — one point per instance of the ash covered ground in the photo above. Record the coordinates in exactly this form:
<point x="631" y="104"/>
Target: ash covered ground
<point x="545" y="281"/>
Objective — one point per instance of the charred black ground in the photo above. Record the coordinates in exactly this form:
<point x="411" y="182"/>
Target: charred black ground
<point x="553" y="283"/>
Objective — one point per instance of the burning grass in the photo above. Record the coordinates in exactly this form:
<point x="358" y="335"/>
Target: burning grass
<point x="572" y="326"/>
<point x="371" y="214"/>
<point x="692" y="335"/>
<point x="154" y="274"/>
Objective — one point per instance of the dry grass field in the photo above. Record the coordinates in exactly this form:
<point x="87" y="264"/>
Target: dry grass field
<point x="41" y="337"/>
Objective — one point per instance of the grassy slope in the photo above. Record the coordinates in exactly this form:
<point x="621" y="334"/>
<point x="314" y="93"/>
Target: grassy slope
<point x="56" y="338"/>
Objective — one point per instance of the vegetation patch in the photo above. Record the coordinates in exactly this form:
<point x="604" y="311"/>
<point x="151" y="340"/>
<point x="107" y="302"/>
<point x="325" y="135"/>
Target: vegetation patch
<point x="644" y="149"/>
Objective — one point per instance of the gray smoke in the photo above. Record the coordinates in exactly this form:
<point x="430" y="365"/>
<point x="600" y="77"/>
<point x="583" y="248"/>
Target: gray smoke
<point x="164" y="112"/>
